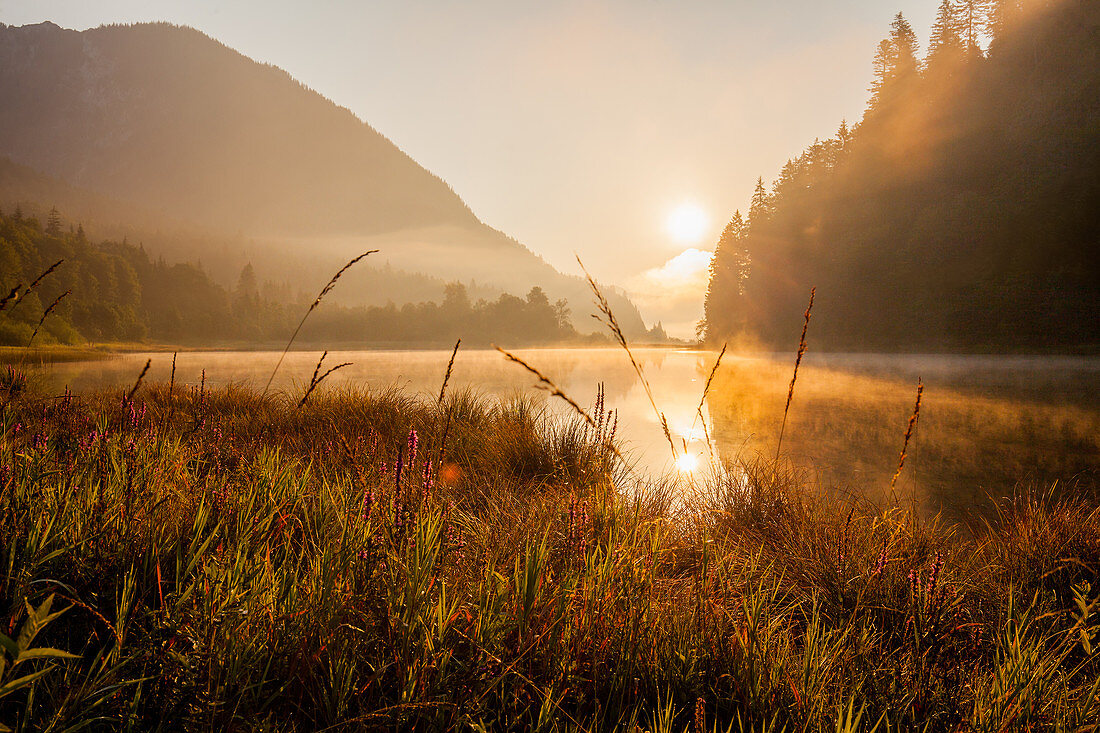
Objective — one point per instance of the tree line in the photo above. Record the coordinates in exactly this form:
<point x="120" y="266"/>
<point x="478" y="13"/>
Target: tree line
<point x="962" y="212"/>
<point x="115" y="292"/>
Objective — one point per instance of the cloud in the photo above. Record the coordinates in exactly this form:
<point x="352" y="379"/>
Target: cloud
<point x="675" y="290"/>
<point x="687" y="271"/>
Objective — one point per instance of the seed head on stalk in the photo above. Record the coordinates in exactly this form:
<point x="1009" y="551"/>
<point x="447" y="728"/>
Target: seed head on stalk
<point x="794" y="377"/>
<point x="317" y="302"/>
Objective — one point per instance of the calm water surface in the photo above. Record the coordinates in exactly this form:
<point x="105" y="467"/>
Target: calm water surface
<point x="985" y="424"/>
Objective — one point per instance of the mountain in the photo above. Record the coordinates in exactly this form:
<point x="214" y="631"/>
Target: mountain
<point x="962" y="213"/>
<point x="169" y="122"/>
<point x="223" y="256"/>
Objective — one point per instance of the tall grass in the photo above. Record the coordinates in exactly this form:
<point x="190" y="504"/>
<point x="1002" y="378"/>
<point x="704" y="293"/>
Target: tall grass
<point x="318" y="377"/>
<point x="909" y="428"/>
<point x="312" y="307"/>
<point x="698" y="416"/>
<point x="794" y="376"/>
<point x="232" y="562"/>
<point x="447" y="374"/>
<point x="607" y="318"/>
<point x="49" y="309"/>
<point x="141" y="378"/>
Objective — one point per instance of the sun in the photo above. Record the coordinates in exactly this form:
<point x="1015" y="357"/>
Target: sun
<point x="687" y="463"/>
<point x="687" y="223"/>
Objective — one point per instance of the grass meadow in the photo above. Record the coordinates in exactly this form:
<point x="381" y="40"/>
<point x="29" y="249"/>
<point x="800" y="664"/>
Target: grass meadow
<point x="174" y="557"/>
<point x="178" y="557"/>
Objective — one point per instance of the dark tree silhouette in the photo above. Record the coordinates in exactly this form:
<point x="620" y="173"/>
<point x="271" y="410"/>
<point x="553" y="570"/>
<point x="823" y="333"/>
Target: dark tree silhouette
<point x="963" y="212"/>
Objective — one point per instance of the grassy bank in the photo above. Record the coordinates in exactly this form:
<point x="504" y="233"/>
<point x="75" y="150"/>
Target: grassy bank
<point x="230" y="561"/>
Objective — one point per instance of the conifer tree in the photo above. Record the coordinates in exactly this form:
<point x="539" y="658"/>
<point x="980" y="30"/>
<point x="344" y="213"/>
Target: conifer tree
<point x="53" y="222"/>
<point x="760" y="206"/>
<point x="843" y="134"/>
<point x="729" y="269"/>
<point x="972" y="22"/>
<point x="945" y="42"/>
<point x="246" y="283"/>
<point x="911" y="200"/>
<point x="895" y="60"/>
<point x="1001" y="15"/>
<point x="883" y="63"/>
<point x="905" y="47"/>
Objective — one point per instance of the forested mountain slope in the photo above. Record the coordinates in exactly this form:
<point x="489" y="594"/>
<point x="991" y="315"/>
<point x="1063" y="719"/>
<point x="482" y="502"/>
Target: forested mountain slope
<point x="171" y="123"/>
<point x="57" y="286"/>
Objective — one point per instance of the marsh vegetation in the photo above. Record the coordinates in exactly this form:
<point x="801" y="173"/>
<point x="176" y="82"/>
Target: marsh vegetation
<point x="379" y="558"/>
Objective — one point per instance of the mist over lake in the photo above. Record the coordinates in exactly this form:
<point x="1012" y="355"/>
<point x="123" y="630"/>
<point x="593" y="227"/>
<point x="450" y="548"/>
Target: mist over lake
<point x="988" y="425"/>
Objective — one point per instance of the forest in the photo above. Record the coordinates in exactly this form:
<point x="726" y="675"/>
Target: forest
<point x="116" y="292"/>
<point x="962" y="213"/>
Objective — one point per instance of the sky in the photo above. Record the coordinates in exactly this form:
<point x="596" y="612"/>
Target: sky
<point x="623" y="131"/>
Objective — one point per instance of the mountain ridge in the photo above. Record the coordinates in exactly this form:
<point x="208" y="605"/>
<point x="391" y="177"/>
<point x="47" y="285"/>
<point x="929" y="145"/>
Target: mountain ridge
<point x="171" y="121"/>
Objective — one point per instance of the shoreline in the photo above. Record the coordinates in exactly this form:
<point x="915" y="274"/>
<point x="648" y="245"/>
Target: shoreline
<point x="94" y="352"/>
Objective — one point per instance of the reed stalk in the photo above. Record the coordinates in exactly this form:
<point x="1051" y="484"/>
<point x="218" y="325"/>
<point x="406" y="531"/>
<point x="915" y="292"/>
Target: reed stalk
<point x="547" y="384"/>
<point x="794" y="377"/>
<point x="313" y="306"/>
<point x="45" y="313"/>
<point x="172" y="389"/>
<point x="908" y="435"/>
<point x="447" y="376"/>
<point x="608" y="319"/>
<point x="12" y="295"/>
<point x="49" y="270"/>
<point x="315" y="381"/>
<point x="137" y="384"/>
<point x="703" y="399"/>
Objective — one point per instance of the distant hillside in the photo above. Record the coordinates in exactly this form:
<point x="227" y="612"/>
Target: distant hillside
<point x="165" y="121"/>
<point x="112" y="291"/>
<point x="170" y="119"/>
<point x="962" y="213"/>
<point x="281" y="265"/>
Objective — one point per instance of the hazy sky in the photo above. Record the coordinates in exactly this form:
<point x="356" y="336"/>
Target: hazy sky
<point x="574" y="126"/>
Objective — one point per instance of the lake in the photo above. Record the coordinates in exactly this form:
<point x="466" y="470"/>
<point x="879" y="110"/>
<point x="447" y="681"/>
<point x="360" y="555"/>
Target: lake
<point x="986" y="423"/>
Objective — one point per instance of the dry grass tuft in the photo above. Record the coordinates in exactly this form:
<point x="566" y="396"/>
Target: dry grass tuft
<point x="547" y="384"/>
